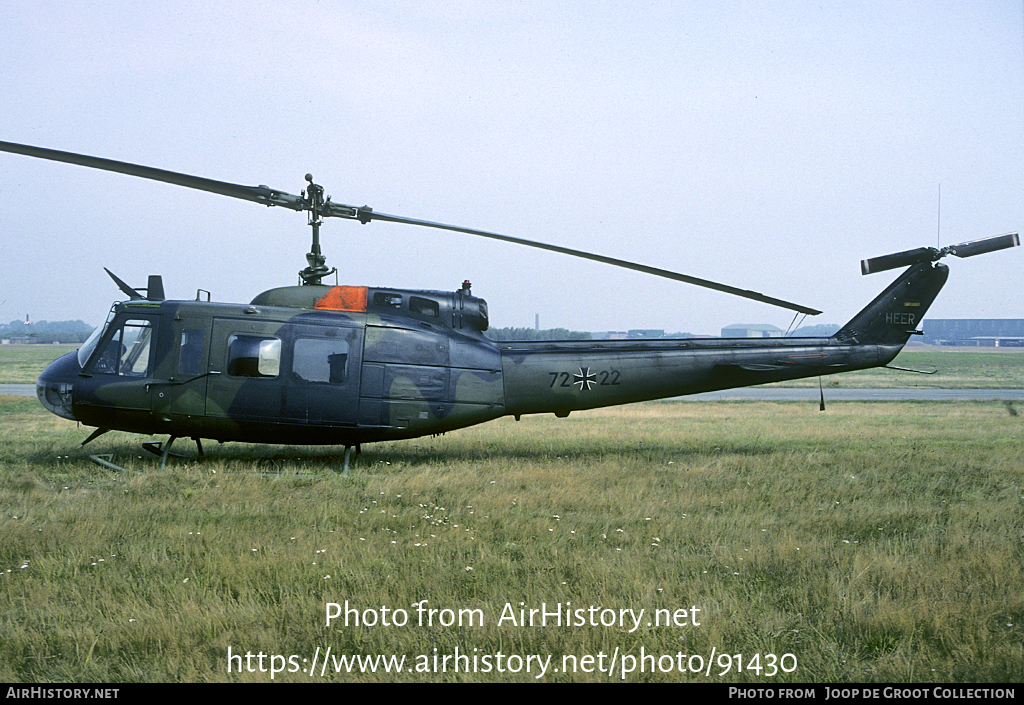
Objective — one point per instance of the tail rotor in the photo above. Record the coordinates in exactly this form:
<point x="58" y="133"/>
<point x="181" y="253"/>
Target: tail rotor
<point x="932" y="254"/>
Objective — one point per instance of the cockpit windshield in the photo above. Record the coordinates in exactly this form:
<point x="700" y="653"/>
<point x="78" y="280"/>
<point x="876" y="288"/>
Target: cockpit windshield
<point x="85" y="352"/>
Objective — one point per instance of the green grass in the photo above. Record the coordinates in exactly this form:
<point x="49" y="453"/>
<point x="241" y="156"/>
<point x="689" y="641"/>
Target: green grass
<point x="954" y="368"/>
<point x="876" y="542"/>
<point x="21" y="364"/>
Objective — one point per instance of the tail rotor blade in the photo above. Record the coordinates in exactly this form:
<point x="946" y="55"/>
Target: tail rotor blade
<point x="899" y="259"/>
<point x="930" y="254"/>
<point x="988" y="244"/>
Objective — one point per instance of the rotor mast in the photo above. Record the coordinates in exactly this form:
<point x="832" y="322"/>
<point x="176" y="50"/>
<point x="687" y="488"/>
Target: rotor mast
<point x="316" y="268"/>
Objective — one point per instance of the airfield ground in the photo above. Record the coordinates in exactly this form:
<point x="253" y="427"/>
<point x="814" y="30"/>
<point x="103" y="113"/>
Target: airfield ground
<point x="876" y="542"/>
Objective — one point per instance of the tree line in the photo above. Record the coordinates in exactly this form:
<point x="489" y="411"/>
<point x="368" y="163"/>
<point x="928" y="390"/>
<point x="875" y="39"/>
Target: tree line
<point x="48" y="331"/>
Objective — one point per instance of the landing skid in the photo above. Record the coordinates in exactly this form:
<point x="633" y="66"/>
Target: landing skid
<point x="104" y="460"/>
<point x="164" y="451"/>
<point x="348" y="456"/>
<point x="161" y="449"/>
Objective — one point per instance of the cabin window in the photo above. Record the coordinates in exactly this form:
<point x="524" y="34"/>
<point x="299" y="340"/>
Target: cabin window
<point x="191" y="353"/>
<point x="320" y="360"/>
<point x="253" y="356"/>
<point x="383" y="298"/>
<point x="128" y="351"/>
<point x="424" y="307"/>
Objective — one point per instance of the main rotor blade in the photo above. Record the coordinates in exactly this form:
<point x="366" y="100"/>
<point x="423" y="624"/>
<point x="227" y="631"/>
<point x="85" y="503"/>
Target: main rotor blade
<point x="745" y="293"/>
<point x="258" y="194"/>
<point x="271" y="197"/>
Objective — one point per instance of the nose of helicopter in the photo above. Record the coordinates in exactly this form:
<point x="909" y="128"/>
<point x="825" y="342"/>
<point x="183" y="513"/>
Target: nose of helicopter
<point x="56" y="383"/>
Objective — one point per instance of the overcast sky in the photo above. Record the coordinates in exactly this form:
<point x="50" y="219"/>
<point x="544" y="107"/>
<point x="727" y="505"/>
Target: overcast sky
<point x="766" y="145"/>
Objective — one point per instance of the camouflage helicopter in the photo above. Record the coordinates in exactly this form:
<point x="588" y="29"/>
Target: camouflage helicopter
<point x="345" y="365"/>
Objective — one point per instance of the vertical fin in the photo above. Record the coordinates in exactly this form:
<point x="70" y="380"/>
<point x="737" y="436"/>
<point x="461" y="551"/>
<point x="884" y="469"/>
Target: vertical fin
<point x="896" y="313"/>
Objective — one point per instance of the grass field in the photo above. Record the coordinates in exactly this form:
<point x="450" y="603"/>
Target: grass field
<point x="875" y="542"/>
<point x="21" y="364"/>
<point x="955" y="368"/>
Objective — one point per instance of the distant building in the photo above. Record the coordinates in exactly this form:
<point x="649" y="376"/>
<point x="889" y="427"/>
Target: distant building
<point x="976" y="332"/>
<point x="646" y="333"/>
<point x="746" y="330"/>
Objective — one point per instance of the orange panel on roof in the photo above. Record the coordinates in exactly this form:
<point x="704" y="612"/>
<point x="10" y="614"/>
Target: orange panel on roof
<point x="343" y="298"/>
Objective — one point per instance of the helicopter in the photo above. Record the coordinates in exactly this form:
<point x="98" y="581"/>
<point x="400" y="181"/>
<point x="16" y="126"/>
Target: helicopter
<point x="344" y="365"/>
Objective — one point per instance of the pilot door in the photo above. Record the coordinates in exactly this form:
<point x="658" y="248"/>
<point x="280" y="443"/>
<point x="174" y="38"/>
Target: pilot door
<point x="183" y="394"/>
<point x="114" y="386"/>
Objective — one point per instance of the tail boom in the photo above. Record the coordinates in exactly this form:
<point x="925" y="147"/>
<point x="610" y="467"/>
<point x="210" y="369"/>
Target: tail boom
<point x="548" y="377"/>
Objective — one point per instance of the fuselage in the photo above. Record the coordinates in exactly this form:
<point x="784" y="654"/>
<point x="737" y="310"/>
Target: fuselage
<point x="350" y="365"/>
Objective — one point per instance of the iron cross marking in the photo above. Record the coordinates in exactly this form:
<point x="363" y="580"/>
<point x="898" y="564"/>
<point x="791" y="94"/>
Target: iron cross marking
<point x="585" y="378"/>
